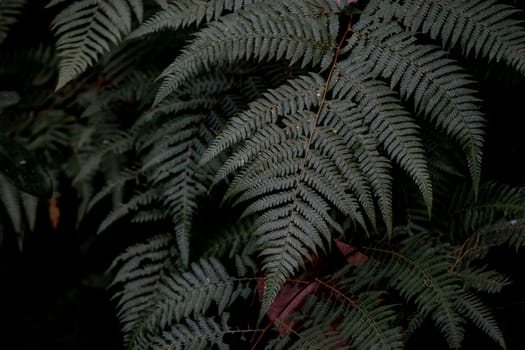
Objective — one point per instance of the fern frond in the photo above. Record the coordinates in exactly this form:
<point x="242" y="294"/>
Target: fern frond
<point x="114" y="142"/>
<point x="421" y="273"/>
<point x="9" y="12"/>
<point x="298" y="94"/>
<point x="125" y="176"/>
<point x="52" y="133"/>
<point x="184" y="13"/>
<point x="198" y="334"/>
<point x="474" y="309"/>
<point x="370" y="325"/>
<point x="184" y="295"/>
<point x="275" y="31"/>
<point x="511" y="232"/>
<point x="439" y="88"/>
<point x="150" y="215"/>
<point x="124" y="209"/>
<point x="122" y="68"/>
<point x="495" y="201"/>
<point x="142" y="268"/>
<point x="484" y="280"/>
<point x="339" y="320"/>
<point x="87" y="29"/>
<point x="191" y="293"/>
<point x="390" y="125"/>
<point x="231" y="240"/>
<point x="481" y="28"/>
<point x="171" y="165"/>
<point x="289" y="153"/>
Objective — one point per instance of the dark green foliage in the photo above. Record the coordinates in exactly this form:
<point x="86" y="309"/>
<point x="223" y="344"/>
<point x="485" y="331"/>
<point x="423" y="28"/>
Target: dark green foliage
<point x="253" y="135"/>
<point x="20" y="167"/>
<point x="9" y="12"/>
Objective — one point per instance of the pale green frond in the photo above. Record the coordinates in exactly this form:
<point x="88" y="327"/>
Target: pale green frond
<point x="124" y="209"/>
<point x="180" y="14"/>
<point x="170" y="164"/>
<point x="291" y="173"/>
<point x="235" y="238"/>
<point x="440" y="89"/>
<point x="178" y="295"/>
<point x="287" y="234"/>
<point x="196" y="334"/>
<point x="140" y="270"/>
<point x="481" y="28"/>
<point x="370" y="325"/>
<point x="192" y="292"/>
<point x="87" y="29"/>
<point x="274" y="32"/>
<point x="299" y="94"/>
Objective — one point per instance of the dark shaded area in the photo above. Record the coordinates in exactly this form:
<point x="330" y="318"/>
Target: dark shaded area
<point x="53" y="296"/>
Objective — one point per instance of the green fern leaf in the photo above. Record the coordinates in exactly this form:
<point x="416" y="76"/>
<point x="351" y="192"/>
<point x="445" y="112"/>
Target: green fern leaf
<point x="275" y="31"/>
<point x="199" y="334"/>
<point x="177" y="296"/>
<point x="124" y="209"/>
<point x="473" y="307"/>
<point x="288" y="152"/>
<point x="390" y="125"/>
<point x="150" y="215"/>
<point x="511" y="232"/>
<point x="494" y="201"/>
<point x="232" y="240"/>
<point x="125" y="176"/>
<point x="142" y="267"/>
<point x="191" y="293"/>
<point x="181" y="14"/>
<point x="421" y="272"/>
<point x="172" y="139"/>
<point x="361" y="321"/>
<point x="483" y="280"/>
<point x="439" y="88"/>
<point x="87" y="29"/>
<point x="482" y="28"/>
<point x="369" y="325"/>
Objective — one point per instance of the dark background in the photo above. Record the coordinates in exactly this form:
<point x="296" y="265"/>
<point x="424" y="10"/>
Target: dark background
<point x="53" y="296"/>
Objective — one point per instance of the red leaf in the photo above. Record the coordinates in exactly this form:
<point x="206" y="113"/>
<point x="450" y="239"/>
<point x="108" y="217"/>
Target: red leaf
<point x="352" y="255"/>
<point x="293" y="295"/>
<point x="289" y="298"/>
<point x="54" y="212"/>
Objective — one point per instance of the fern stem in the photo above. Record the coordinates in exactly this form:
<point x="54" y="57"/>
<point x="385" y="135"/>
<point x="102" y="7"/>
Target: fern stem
<point x="259" y="339"/>
<point x="268" y="299"/>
